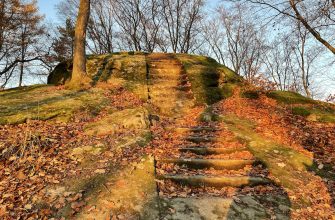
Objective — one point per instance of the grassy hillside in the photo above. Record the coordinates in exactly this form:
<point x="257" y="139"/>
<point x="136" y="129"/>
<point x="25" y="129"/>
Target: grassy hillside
<point x="95" y="153"/>
<point x="210" y="81"/>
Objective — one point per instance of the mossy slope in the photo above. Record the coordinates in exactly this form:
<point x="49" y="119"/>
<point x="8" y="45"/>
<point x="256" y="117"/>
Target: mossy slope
<point x="41" y="102"/>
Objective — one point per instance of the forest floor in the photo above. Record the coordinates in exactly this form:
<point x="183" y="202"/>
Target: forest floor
<point x="103" y="154"/>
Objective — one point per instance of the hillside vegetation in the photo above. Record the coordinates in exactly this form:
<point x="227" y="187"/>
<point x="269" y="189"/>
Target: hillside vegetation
<point x="113" y="150"/>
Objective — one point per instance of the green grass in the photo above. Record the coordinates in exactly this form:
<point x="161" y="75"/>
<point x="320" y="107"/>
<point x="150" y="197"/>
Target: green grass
<point x="315" y="112"/>
<point x="301" y="111"/>
<point x="250" y="94"/>
<point x="287" y="97"/>
<point x="324" y="115"/>
<point x="327" y="118"/>
<point x="272" y="154"/>
<point x="211" y="81"/>
<point x="45" y="103"/>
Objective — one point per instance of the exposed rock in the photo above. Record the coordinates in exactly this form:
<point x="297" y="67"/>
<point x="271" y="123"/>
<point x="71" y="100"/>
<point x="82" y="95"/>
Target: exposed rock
<point x="134" y="119"/>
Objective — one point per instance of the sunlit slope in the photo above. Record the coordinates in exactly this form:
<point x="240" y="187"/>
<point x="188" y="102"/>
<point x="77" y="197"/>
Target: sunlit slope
<point x="208" y="80"/>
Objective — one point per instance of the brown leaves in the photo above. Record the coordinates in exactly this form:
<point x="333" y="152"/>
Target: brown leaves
<point x="277" y="123"/>
<point x="20" y="175"/>
<point x="3" y="210"/>
<point x="77" y="205"/>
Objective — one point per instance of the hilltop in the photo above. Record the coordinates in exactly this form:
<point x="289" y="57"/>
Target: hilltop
<point x="164" y="136"/>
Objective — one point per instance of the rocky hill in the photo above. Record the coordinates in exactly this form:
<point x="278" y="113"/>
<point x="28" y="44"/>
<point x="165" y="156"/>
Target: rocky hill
<point x="164" y="136"/>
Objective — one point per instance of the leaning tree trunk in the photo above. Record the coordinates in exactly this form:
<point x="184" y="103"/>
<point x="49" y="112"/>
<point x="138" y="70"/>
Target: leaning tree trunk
<point x="79" y="79"/>
<point x="315" y="34"/>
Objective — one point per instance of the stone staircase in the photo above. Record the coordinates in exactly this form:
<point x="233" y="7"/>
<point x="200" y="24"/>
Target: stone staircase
<point x="168" y="84"/>
<point x="202" y="174"/>
<point x="200" y="154"/>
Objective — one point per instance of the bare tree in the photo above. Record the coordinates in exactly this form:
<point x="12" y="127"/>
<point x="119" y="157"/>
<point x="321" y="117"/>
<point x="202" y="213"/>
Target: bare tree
<point x="100" y="30"/>
<point x="318" y="17"/>
<point x="214" y="36"/>
<point x="182" y="23"/>
<point x="79" y="77"/>
<point x="279" y="64"/>
<point x="9" y="56"/>
<point x="30" y="31"/>
<point x="242" y="40"/>
<point x="140" y="22"/>
<point x="21" y="35"/>
<point x="100" y="33"/>
<point x="306" y="55"/>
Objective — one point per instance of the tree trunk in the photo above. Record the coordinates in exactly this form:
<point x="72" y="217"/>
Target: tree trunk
<point x="22" y="59"/>
<point x="21" y="74"/>
<point x="315" y="34"/>
<point x="79" y="79"/>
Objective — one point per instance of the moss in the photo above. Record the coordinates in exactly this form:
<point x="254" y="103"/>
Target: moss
<point x="45" y="103"/>
<point x="287" y="97"/>
<point x="230" y="76"/>
<point x="327" y="118"/>
<point x="210" y="81"/>
<point x="101" y="67"/>
<point x="271" y="153"/>
<point x="135" y="188"/>
<point x="208" y="115"/>
<point x="227" y="89"/>
<point x="146" y="138"/>
<point x="250" y="94"/>
<point x="301" y="111"/>
<point x="104" y="70"/>
<point x="316" y="112"/>
<point x="131" y="119"/>
<point x="134" y="69"/>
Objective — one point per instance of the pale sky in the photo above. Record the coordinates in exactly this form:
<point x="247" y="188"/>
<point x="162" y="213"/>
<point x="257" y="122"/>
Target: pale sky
<point x="47" y="7"/>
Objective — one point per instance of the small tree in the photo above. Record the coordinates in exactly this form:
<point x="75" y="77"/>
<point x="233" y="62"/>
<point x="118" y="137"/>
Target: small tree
<point x="21" y="35"/>
<point x="79" y="79"/>
<point x="63" y="45"/>
<point x="30" y="32"/>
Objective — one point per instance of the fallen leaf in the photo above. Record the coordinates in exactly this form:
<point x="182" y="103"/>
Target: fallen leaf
<point x="77" y="205"/>
<point x="281" y="165"/>
<point x="3" y="210"/>
<point x="28" y="206"/>
<point x="100" y="171"/>
<point x="21" y="175"/>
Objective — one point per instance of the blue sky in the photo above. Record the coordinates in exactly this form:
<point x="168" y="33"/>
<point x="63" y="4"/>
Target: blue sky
<point x="47" y="8"/>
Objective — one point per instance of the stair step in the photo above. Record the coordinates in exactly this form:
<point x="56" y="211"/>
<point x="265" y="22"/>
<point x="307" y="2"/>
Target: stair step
<point x="201" y="139"/>
<point x="210" y="163"/>
<point x="163" y="79"/>
<point x="211" y="150"/>
<point x="217" y="182"/>
<point x="163" y="64"/>
<point x="168" y="87"/>
<point x="196" y="129"/>
<point x="176" y="77"/>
